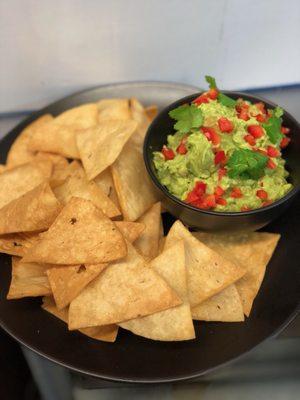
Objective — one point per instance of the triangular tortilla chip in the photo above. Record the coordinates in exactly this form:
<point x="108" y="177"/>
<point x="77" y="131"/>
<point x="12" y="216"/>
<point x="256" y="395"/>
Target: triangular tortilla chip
<point x="21" y="179"/>
<point x="207" y="271"/>
<point x="33" y="211"/>
<point x="148" y="242"/>
<point x="106" y="183"/>
<point x="19" y="153"/>
<point x="225" y="306"/>
<point x="130" y="230"/>
<point x="81" y="117"/>
<point x="68" y="281"/>
<point x="17" y="244"/>
<point x="28" y="280"/>
<point x="252" y="251"/>
<point x="77" y="185"/>
<point x="151" y="112"/>
<point x="2" y="168"/>
<point x="60" y="175"/>
<point x="81" y="234"/>
<point x="106" y="333"/>
<point x="60" y="164"/>
<point x="100" y="146"/>
<point x="113" y="109"/>
<point x="125" y="290"/>
<point x="139" y="115"/>
<point x="136" y="193"/>
<point x="175" y="323"/>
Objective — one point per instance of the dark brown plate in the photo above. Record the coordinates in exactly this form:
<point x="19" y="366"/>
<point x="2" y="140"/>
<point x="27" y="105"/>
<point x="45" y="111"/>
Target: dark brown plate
<point x="132" y="358"/>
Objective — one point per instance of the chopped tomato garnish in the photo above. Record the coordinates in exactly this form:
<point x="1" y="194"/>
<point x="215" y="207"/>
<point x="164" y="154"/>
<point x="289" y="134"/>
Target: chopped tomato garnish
<point x="272" y="151"/>
<point x="181" y="149"/>
<point x="256" y="131"/>
<point x="200" y="188"/>
<point x="261" y="151"/>
<point x="250" y="139"/>
<point x="285" y="130"/>
<point x="236" y="193"/>
<point x="267" y="203"/>
<point x="203" y="98"/>
<point x="168" y="153"/>
<point x="245" y="208"/>
<point x="225" y="125"/>
<point x="212" y="94"/>
<point x="261" y="118"/>
<point x="191" y="197"/>
<point x="284" y="142"/>
<point x="271" y="164"/>
<point x="261" y="107"/>
<point x="220" y="157"/>
<point x="241" y="105"/>
<point x="262" y="194"/>
<point x="211" y="135"/>
<point x="221" y="201"/>
<point x="219" y="191"/>
<point x="243" y="114"/>
<point x="209" y="201"/>
<point x="222" y="172"/>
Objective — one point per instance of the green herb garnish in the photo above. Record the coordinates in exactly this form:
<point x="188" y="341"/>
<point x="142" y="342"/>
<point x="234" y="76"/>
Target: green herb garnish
<point x="223" y="99"/>
<point x="246" y="164"/>
<point x="273" y="126"/>
<point x="187" y="117"/>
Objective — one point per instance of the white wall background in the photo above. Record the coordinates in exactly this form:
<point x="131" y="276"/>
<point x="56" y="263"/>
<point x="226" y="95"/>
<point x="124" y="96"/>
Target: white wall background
<point x="49" y="48"/>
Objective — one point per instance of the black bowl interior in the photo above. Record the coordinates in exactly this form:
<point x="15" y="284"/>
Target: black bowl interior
<point x="162" y="126"/>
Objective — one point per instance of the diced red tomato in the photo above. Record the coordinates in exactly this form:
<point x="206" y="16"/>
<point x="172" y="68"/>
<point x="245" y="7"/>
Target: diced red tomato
<point x="225" y="125"/>
<point x="222" y="172"/>
<point x="191" y="197"/>
<point x="219" y="191"/>
<point x="220" y="157"/>
<point x="241" y="105"/>
<point x="203" y="98"/>
<point x="261" y="151"/>
<point x="245" y="208"/>
<point x="211" y="135"/>
<point x="267" y="203"/>
<point x="261" y="107"/>
<point x="250" y="139"/>
<point x="236" y="193"/>
<point x="262" y="194"/>
<point x="261" y="118"/>
<point x="221" y="201"/>
<point x="181" y="149"/>
<point x="256" y="131"/>
<point x="271" y="164"/>
<point x="168" y="153"/>
<point x="243" y="114"/>
<point x="200" y="188"/>
<point x="212" y="94"/>
<point x="209" y="201"/>
<point x="272" y="151"/>
<point x="284" y="142"/>
<point x="285" y="130"/>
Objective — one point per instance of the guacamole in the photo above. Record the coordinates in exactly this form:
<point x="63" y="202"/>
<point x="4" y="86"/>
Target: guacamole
<point x="225" y="154"/>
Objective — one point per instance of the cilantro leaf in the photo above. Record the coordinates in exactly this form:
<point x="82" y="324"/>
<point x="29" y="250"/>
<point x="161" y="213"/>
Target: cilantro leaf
<point x="211" y="82"/>
<point x="187" y="117"/>
<point x="246" y="164"/>
<point x="226" y="101"/>
<point x="273" y="126"/>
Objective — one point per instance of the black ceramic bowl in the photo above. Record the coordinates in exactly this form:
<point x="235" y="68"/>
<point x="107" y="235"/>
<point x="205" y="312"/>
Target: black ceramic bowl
<point x="207" y="220"/>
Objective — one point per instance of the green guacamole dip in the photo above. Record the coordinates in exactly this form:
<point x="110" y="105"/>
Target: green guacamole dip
<point x="225" y="155"/>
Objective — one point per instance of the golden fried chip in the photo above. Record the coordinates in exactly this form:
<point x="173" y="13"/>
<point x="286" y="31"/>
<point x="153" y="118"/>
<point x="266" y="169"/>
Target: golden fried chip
<point x="136" y="193"/>
<point x="17" y="244"/>
<point x="68" y="281"/>
<point x="81" y="234"/>
<point x="60" y="175"/>
<point x="106" y="333"/>
<point x="130" y="230"/>
<point x="226" y="306"/>
<point x="19" y="153"/>
<point x="151" y="112"/>
<point x="21" y="179"/>
<point x="33" y="211"/>
<point x="106" y="183"/>
<point x="60" y="164"/>
<point x="113" y="109"/>
<point x="124" y="290"/>
<point x="77" y="185"/>
<point x="139" y="115"/>
<point x="252" y="251"/>
<point x="207" y="272"/>
<point x="81" y="117"/>
<point x="148" y="242"/>
<point x="175" y="323"/>
<point x="28" y="280"/>
<point x="2" y="168"/>
<point x="100" y="146"/>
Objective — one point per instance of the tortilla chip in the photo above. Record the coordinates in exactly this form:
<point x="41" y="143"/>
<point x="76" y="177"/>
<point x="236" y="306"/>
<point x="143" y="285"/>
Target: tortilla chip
<point x="2" y="168"/>
<point x="125" y="290"/>
<point x="60" y="164"/>
<point x="28" y="280"/>
<point x="207" y="272"/>
<point x="81" y="234"/>
<point x="68" y="281"/>
<point x="225" y="306"/>
<point x="113" y="109"/>
<point x="17" y="181"/>
<point x="100" y="146"/>
<point x="33" y="211"/>
<point x="60" y="175"/>
<point x="130" y="230"/>
<point x="106" y="333"/>
<point x="175" y="323"/>
<point x="17" y="244"/>
<point x="136" y="193"/>
<point x="151" y="112"/>
<point x="161" y="244"/>
<point x="77" y="185"/>
<point x="106" y="183"/>
<point x="139" y="115"/>
<point x="81" y="117"/>
<point x="252" y="251"/>
<point x="148" y="242"/>
<point x="19" y="153"/>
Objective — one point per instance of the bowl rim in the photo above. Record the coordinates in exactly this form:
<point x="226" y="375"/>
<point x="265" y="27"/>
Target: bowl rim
<point x="162" y="188"/>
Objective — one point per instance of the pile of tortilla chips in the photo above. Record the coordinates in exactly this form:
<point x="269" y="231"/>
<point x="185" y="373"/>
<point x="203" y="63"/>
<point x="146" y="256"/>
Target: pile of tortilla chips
<point x="83" y="224"/>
